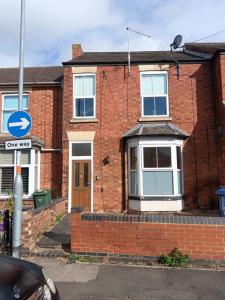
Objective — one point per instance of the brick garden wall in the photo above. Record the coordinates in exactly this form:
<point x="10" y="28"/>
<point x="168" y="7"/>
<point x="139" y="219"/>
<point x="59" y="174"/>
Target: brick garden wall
<point x="148" y="235"/>
<point x="37" y="221"/>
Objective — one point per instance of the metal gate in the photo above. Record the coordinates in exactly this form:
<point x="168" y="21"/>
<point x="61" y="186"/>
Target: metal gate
<point x="5" y="232"/>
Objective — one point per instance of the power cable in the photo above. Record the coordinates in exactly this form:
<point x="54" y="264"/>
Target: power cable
<point x="208" y="36"/>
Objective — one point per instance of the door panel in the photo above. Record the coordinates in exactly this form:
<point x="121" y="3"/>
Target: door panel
<point x="81" y="184"/>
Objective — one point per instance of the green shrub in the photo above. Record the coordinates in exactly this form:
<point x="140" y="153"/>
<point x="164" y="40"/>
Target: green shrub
<point x="73" y="258"/>
<point x="58" y="218"/>
<point x="174" y="259"/>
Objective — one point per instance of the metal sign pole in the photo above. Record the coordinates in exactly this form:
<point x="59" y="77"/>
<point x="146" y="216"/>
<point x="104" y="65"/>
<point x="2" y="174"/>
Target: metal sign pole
<point x="18" y="183"/>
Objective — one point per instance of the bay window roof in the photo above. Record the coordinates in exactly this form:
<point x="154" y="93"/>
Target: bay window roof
<point x="157" y="130"/>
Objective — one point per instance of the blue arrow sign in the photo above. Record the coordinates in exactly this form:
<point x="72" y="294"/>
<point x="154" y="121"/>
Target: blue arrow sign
<point x="19" y="123"/>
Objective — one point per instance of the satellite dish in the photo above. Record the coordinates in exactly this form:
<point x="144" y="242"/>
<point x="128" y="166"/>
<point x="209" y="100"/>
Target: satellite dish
<point x="176" y="42"/>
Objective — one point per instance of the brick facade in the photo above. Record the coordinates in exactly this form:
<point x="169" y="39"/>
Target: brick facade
<point x="45" y="107"/>
<point x="192" y="109"/>
<point x="200" y="237"/>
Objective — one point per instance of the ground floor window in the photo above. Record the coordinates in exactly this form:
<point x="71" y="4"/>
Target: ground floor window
<point x="155" y="169"/>
<point x="29" y="171"/>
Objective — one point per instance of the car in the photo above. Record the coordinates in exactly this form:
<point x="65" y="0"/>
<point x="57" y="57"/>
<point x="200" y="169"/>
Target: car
<point x="21" y="279"/>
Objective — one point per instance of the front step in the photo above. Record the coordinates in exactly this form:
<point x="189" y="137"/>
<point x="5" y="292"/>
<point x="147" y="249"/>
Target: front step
<point x="58" y="238"/>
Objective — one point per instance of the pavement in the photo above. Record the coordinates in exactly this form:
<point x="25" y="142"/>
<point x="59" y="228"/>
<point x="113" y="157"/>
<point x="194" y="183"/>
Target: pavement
<point x="117" y="282"/>
<point x="58" y="237"/>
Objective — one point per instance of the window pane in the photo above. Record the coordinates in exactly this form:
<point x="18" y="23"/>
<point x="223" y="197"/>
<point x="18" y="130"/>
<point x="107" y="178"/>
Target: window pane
<point x="11" y="102"/>
<point x="154" y="84"/>
<point x="7" y="180"/>
<point x="79" y="86"/>
<point x="25" y="178"/>
<point x="165" y="183"/>
<point x="6" y="116"/>
<point x="159" y="85"/>
<point x="178" y="157"/>
<point x="89" y="85"/>
<point x="81" y="149"/>
<point x="180" y="182"/>
<point x="84" y="86"/>
<point x="133" y="158"/>
<point x="79" y="107"/>
<point x="25" y="101"/>
<point x="25" y="157"/>
<point x="150" y="183"/>
<point x="89" y="107"/>
<point x="36" y="157"/>
<point x="150" y="157"/>
<point x="35" y="178"/>
<point x="160" y="106"/>
<point x="86" y="175"/>
<point x="77" y="175"/>
<point x="164" y="157"/>
<point x="149" y="106"/>
<point x="6" y="157"/>
<point x="133" y="182"/>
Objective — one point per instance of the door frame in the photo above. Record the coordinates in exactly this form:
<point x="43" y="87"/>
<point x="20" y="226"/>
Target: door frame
<point x="74" y="158"/>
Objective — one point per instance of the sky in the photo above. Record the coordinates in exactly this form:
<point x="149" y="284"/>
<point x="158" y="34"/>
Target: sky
<point x="52" y="26"/>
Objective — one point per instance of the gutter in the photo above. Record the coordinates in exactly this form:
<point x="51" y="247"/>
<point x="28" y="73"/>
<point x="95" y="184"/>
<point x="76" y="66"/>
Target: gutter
<point x="30" y="83"/>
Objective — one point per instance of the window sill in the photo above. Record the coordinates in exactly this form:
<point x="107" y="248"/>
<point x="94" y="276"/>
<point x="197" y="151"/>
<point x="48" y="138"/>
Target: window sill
<point x="84" y="120"/>
<point x="154" y="119"/>
<point x="156" y="198"/>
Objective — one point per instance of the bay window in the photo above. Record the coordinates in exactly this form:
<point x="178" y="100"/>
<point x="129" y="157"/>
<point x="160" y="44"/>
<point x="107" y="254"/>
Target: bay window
<point x="29" y="171"/>
<point x="155" y="170"/>
<point x="154" y="94"/>
<point x="84" y="96"/>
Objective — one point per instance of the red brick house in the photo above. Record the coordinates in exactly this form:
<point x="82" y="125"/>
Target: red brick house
<point x="41" y="166"/>
<point x="112" y="140"/>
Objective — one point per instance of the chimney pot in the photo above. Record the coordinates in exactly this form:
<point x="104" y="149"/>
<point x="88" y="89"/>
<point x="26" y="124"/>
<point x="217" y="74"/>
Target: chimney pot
<point x="76" y="50"/>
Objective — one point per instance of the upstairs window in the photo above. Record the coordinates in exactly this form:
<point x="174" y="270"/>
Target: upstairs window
<point x="154" y="94"/>
<point x="84" y="96"/>
<point x="9" y="106"/>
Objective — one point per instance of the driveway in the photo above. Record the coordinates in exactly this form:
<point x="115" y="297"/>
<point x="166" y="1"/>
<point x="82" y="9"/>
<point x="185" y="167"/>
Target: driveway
<point x="114" y="282"/>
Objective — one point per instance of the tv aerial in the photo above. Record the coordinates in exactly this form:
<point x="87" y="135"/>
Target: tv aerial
<point x="175" y="45"/>
<point x="128" y="43"/>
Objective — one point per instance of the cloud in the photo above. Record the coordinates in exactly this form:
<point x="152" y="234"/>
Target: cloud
<point x="52" y="26"/>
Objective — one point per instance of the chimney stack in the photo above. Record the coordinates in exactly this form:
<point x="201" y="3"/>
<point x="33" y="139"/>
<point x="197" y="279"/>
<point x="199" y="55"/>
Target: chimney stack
<point x="76" y="50"/>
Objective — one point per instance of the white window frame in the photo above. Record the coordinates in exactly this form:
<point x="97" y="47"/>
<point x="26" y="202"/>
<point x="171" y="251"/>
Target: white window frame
<point x="71" y="159"/>
<point x="87" y="96"/>
<point x="164" y="95"/>
<point x="31" y="167"/>
<point x="10" y="110"/>
<point x="141" y="144"/>
<point x="130" y="170"/>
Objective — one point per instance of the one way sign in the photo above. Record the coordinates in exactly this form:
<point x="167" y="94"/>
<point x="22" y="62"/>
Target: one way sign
<point x="19" y="123"/>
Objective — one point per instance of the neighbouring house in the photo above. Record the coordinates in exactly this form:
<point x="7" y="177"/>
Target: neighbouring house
<point x="41" y="165"/>
<point x="112" y="139"/>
